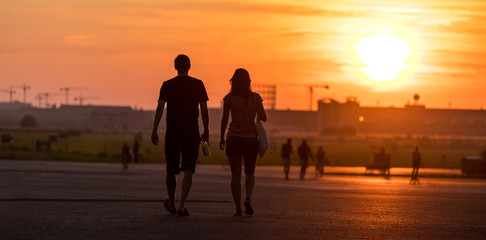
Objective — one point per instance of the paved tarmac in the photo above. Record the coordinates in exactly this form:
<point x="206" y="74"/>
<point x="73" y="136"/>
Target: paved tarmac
<point x="63" y="200"/>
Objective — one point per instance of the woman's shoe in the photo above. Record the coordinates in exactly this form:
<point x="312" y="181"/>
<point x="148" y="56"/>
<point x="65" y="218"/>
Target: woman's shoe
<point x="183" y="212"/>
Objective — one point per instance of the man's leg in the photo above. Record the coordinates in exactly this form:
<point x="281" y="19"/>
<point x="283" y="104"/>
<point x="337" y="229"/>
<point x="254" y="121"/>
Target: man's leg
<point x="304" y="168"/>
<point x="186" y="187"/>
<point x="286" y="163"/>
<point x="172" y="156"/>
<point x="189" y="153"/>
<point x="171" y="182"/>
<point x="301" y="169"/>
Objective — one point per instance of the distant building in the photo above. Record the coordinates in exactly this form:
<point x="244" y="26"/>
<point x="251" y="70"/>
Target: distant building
<point x="411" y="119"/>
<point x="78" y="117"/>
<point x="14" y="106"/>
<point x="331" y="114"/>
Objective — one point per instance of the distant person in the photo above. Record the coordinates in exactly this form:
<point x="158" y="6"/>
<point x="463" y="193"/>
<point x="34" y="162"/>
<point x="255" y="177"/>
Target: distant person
<point x="304" y="154"/>
<point x="285" y="153"/>
<point x="136" y="146"/>
<point x="321" y="157"/>
<point x="443" y="160"/>
<point x="384" y="160"/>
<point x="183" y="94"/>
<point x="382" y="153"/>
<point x="125" y="155"/>
<point x="417" y="160"/>
<point x="241" y="141"/>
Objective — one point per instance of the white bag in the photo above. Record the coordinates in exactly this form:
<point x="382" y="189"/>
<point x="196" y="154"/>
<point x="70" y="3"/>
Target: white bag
<point x="262" y="138"/>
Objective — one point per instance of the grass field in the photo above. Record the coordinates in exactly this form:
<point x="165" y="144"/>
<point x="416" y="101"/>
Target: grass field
<point x="437" y="152"/>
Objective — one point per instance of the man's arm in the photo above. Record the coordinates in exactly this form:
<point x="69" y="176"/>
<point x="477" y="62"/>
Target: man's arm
<point x="205" y="120"/>
<point x="158" y="115"/>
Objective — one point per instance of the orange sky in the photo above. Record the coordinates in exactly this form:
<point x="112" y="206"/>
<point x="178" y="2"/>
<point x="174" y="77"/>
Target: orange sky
<point x="121" y="51"/>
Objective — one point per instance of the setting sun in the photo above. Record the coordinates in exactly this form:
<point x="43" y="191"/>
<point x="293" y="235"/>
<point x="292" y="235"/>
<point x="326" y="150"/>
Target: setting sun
<point x="384" y="56"/>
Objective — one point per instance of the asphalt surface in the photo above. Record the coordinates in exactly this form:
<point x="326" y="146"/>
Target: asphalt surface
<point x="59" y="200"/>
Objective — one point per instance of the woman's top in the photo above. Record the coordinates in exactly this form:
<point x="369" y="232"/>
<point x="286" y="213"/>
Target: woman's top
<point x="243" y="112"/>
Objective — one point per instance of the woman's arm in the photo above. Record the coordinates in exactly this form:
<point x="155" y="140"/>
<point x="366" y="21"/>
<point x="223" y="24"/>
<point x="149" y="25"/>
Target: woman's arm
<point x="224" y="123"/>
<point x="262" y="115"/>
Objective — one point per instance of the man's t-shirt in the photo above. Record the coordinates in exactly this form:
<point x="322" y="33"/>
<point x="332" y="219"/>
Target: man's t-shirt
<point x="416" y="159"/>
<point x="304" y="152"/>
<point x="183" y="95"/>
<point x="286" y="150"/>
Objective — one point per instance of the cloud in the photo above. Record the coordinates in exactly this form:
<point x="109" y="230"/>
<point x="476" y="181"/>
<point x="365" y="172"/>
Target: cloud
<point x="81" y="40"/>
<point x="283" y="9"/>
<point x="245" y="7"/>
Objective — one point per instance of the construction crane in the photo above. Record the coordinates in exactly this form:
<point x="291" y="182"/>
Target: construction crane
<point x="25" y="87"/>
<point x="67" y="89"/>
<point x="11" y="92"/>
<point x="45" y="96"/>
<point x="311" y="91"/>
<point x="81" y="99"/>
<point x="39" y="97"/>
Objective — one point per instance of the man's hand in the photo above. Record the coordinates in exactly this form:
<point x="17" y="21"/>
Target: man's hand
<point x="222" y="143"/>
<point x="155" y="138"/>
<point x="205" y="136"/>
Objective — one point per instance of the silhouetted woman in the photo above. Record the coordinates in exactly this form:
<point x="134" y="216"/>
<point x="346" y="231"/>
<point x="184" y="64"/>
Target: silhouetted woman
<point x="241" y="142"/>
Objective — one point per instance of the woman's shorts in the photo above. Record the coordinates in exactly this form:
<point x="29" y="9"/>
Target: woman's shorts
<point x="245" y="146"/>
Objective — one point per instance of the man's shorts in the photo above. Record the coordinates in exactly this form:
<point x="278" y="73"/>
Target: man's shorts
<point x="286" y="162"/>
<point x="304" y="162"/>
<point x="185" y="147"/>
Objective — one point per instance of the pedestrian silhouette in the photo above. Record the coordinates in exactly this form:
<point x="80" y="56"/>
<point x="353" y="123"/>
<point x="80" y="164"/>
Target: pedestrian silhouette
<point x="183" y="94"/>
<point x="304" y="154"/>
<point x="136" y="146"/>
<point x="125" y="155"/>
<point x="321" y="157"/>
<point x="285" y="153"/>
<point x="241" y="142"/>
<point x="416" y="161"/>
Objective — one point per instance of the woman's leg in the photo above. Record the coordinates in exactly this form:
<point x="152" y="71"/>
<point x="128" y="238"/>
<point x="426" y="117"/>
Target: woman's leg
<point x="250" y="162"/>
<point x="235" y="164"/>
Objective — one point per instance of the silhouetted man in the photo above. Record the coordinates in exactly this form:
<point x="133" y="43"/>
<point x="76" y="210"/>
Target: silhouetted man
<point x="321" y="161"/>
<point x="125" y="155"/>
<point x="417" y="159"/>
<point x="304" y="154"/>
<point x="136" y="146"/>
<point x="286" y="151"/>
<point x="183" y="94"/>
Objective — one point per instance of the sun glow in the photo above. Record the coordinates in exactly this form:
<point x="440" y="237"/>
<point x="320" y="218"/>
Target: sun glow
<point x="384" y="56"/>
